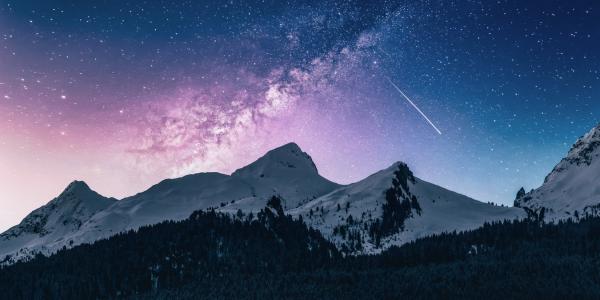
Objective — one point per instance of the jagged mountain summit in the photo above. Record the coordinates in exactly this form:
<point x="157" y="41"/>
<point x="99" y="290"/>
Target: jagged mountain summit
<point x="286" y="171"/>
<point x="393" y="207"/>
<point x="390" y="207"/>
<point x="571" y="190"/>
<point x="50" y="224"/>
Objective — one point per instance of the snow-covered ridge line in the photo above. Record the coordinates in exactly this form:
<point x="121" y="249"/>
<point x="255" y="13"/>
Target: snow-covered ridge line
<point x="571" y="189"/>
<point x="80" y="215"/>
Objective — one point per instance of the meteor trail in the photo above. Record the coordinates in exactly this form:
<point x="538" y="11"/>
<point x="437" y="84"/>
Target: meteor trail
<point x="414" y="105"/>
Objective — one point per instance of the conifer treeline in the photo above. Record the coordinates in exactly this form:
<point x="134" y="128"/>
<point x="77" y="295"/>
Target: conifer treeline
<point x="211" y="255"/>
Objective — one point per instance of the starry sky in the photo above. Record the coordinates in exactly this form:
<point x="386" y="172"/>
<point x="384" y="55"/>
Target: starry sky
<point x="124" y="93"/>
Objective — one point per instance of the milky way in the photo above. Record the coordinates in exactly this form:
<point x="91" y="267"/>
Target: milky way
<point x="122" y="94"/>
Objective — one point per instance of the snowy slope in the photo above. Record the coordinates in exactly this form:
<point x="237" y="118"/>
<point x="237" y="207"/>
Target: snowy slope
<point x="171" y="199"/>
<point x="51" y="223"/>
<point x="288" y="172"/>
<point x="79" y="215"/>
<point x="285" y="171"/>
<point x="572" y="189"/>
<point x="441" y="210"/>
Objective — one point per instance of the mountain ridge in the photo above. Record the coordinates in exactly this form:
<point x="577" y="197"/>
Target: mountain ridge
<point x="348" y="215"/>
<point x="286" y="171"/>
<point x="570" y="189"/>
<point x="50" y="223"/>
<point x="290" y="174"/>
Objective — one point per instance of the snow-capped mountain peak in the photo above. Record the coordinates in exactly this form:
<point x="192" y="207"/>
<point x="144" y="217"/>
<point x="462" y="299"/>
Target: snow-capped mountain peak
<point x="77" y="185"/>
<point x="285" y="160"/>
<point x="74" y="205"/>
<point x="286" y="171"/>
<point x="78" y="192"/>
<point x="392" y="207"/>
<point x="405" y="206"/>
<point x="571" y="189"/>
<point x="582" y="154"/>
<point x="55" y="220"/>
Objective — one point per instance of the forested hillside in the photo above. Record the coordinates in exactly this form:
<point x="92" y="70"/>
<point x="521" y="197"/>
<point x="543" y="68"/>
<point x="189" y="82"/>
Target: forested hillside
<point x="270" y="255"/>
<point x="208" y="247"/>
<point x="510" y="260"/>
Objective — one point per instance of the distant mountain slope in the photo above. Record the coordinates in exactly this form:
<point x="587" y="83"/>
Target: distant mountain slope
<point x="349" y="215"/>
<point x="171" y="199"/>
<point x="417" y="208"/>
<point x="285" y="171"/>
<point x="572" y="189"/>
<point x="51" y="223"/>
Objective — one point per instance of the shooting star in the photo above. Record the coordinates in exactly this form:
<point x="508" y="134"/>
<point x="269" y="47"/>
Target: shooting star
<point x="414" y="105"/>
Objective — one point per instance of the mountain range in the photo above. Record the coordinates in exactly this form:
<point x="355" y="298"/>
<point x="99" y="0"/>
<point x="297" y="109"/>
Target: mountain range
<point x="389" y="207"/>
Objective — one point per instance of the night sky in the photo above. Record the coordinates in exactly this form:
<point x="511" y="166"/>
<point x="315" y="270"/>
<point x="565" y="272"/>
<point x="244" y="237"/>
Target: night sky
<point x="122" y="94"/>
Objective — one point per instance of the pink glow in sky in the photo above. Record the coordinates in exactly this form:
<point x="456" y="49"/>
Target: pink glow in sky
<point x="123" y="147"/>
<point x="123" y="94"/>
